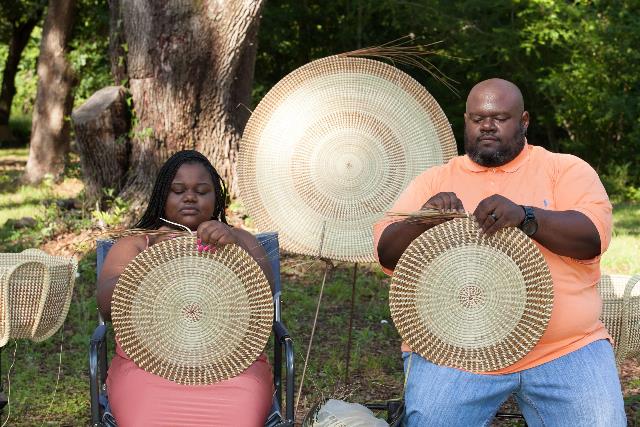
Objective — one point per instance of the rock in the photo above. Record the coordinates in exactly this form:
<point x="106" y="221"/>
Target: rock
<point x="23" y="222"/>
<point x="68" y="204"/>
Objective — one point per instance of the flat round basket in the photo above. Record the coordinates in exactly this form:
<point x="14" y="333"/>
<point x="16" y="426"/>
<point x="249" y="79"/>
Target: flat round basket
<point x="35" y="293"/>
<point x="192" y="317"/>
<point x="471" y="301"/>
<point x="329" y="148"/>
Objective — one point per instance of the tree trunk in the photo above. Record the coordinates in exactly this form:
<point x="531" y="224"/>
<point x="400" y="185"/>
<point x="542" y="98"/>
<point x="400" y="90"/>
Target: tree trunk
<point x="19" y="38"/>
<point x="50" y="124"/>
<point x="190" y="64"/>
<point x="101" y="125"/>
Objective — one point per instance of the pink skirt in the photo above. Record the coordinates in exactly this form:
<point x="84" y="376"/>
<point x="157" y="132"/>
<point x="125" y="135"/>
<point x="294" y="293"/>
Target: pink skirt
<point x="138" y="398"/>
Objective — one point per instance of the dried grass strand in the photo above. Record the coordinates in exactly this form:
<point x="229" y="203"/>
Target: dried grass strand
<point x="403" y="51"/>
<point x="427" y="216"/>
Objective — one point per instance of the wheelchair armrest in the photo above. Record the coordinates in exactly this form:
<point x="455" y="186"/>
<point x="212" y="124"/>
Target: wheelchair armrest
<point x="281" y="331"/>
<point x="98" y="335"/>
<point x="283" y="338"/>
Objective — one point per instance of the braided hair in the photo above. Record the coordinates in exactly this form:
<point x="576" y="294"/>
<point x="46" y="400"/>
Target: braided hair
<point x="155" y="210"/>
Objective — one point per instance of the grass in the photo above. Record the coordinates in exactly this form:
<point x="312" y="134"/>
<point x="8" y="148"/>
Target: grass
<point x="623" y="255"/>
<point x="375" y="370"/>
<point x="17" y="201"/>
<point x="375" y="365"/>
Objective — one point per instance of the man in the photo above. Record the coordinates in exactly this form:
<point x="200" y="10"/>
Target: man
<point x="569" y="378"/>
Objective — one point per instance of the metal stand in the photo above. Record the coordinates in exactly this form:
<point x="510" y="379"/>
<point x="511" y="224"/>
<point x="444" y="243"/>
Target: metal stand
<point x="353" y="300"/>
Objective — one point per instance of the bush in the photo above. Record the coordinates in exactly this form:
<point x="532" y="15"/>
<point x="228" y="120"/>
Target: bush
<point x="618" y="184"/>
<point x="20" y="125"/>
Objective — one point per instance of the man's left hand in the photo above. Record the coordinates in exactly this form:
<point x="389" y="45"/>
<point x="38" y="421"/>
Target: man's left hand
<point x="496" y="212"/>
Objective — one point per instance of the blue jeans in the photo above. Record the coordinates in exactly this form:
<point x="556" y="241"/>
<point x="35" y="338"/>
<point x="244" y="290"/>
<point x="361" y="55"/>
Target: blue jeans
<point x="579" y="389"/>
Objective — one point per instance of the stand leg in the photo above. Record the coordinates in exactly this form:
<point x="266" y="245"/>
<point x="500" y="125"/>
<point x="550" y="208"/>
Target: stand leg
<point x="313" y="330"/>
<point x="353" y="300"/>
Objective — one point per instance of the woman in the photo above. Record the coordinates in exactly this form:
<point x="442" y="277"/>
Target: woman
<point x="188" y="191"/>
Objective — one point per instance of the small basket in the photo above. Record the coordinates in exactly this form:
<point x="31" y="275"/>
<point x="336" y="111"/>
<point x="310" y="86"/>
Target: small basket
<point x="621" y="313"/>
<point x="35" y="293"/>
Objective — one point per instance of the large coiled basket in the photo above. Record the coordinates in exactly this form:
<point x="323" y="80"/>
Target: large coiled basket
<point x="621" y="312"/>
<point x="35" y="292"/>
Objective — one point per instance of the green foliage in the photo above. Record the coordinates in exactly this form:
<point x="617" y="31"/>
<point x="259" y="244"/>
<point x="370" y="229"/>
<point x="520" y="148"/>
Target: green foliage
<point x="15" y="12"/>
<point x="592" y="81"/>
<point x="27" y="77"/>
<point x="20" y="125"/>
<point x="89" y="49"/>
<point x="619" y="183"/>
<point x="576" y="62"/>
<point x="88" y="55"/>
<point x="114" y="212"/>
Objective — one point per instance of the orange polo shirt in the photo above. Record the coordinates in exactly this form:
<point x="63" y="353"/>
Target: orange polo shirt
<point x="536" y="177"/>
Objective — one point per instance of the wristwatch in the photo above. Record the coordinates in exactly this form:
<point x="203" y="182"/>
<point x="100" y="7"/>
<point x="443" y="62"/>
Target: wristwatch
<point x="529" y="224"/>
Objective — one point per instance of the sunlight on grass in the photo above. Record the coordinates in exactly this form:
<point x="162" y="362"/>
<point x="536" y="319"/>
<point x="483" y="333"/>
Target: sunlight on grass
<point x="19" y="201"/>
<point x="21" y="153"/>
<point x="623" y="255"/>
<point x="626" y="219"/>
<point x="26" y="202"/>
<point x="26" y="210"/>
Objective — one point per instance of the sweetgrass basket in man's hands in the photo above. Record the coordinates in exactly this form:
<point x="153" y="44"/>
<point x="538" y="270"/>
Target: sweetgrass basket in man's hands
<point x="621" y="312"/>
<point x="35" y="292"/>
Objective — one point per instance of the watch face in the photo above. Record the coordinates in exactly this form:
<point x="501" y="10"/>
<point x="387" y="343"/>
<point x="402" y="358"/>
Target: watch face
<point x="530" y="227"/>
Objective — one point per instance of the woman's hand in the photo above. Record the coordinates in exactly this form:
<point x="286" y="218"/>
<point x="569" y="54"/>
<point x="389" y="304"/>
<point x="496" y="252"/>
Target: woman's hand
<point x="212" y="234"/>
<point x="167" y="236"/>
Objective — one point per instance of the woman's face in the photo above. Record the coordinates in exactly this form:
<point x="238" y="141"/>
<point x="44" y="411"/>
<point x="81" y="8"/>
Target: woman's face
<point x="192" y="198"/>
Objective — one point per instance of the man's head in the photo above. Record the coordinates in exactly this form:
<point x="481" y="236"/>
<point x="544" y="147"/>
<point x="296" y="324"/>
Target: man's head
<point x="495" y="123"/>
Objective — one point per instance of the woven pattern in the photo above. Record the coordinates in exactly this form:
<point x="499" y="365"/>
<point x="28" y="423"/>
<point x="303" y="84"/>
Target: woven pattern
<point x="35" y="293"/>
<point x="471" y="301"/>
<point x="192" y="317"/>
<point x="331" y="146"/>
<point x="621" y="313"/>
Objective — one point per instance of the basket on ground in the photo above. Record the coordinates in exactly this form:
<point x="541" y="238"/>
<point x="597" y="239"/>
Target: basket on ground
<point x="35" y="293"/>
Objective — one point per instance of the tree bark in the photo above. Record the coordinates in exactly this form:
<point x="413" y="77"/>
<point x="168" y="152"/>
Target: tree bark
<point x="101" y="125"/>
<point x="19" y="38"/>
<point x="50" y="124"/>
<point x="190" y="64"/>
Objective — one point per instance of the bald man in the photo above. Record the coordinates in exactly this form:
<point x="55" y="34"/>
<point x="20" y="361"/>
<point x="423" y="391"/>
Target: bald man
<point x="569" y="378"/>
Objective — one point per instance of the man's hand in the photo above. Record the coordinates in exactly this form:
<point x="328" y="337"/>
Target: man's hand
<point x="398" y="235"/>
<point x="445" y="202"/>
<point x="496" y="212"/>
